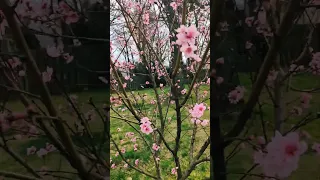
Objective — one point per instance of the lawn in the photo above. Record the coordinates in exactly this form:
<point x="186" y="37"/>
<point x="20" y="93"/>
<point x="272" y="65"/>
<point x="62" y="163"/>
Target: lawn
<point x="53" y="160"/>
<point x="240" y="163"/>
<point x="144" y="154"/>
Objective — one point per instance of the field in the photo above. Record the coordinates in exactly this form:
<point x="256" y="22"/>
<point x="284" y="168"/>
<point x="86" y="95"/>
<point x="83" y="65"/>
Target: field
<point x="143" y="154"/>
<point x="240" y="163"/>
<point x="53" y="160"/>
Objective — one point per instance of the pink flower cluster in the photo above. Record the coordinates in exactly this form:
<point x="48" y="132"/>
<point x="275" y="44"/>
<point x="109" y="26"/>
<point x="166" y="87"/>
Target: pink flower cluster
<point x="305" y="100"/>
<point x="315" y="63"/>
<point x="174" y="171"/>
<point x="316" y="147"/>
<point x="14" y="62"/>
<point x="42" y="151"/>
<point x="196" y="113"/>
<point x="294" y="68"/>
<point x="146" y="18"/>
<point x="46" y="75"/>
<point x="272" y="77"/>
<point x="281" y="156"/>
<point x="146" y="126"/>
<point x="69" y="15"/>
<point x="186" y="38"/>
<point x="236" y="95"/>
<point x="155" y="147"/>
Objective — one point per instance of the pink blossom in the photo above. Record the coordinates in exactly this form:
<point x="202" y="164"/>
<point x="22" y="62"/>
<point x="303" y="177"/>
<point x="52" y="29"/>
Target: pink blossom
<point x="136" y="162"/>
<point x="90" y="115"/>
<point x="197" y="110"/>
<point x="31" y="150"/>
<point x="146" y="128"/>
<point x="155" y="147"/>
<point x="146" y="18"/>
<point x="188" y="50"/>
<point x="33" y="131"/>
<point x="205" y="122"/>
<point x="42" y="152"/>
<point x="272" y="77"/>
<point x="174" y="5"/>
<point x="113" y="166"/>
<point x="46" y="75"/>
<point x="53" y="51"/>
<point x="71" y="17"/>
<point x="249" y="21"/>
<point x="196" y="121"/>
<point x="174" y="171"/>
<point x="67" y="57"/>
<point x="182" y="29"/>
<point x="282" y="156"/>
<point x="14" y="62"/>
<point x="129" y="134"/>
<point x="316" y="147"/>
<point x="236" y="95"/>
<point x="134" y="139"/>
<point x="305" y="100"/>
<point x="145" y="120"/>
<point x="192" y="32"/>
<point x="296" y="111"/>
<point x="186" y="35"/>
<point x="127" y="78"/>
<point x="293" y="68"/>
<point x="135" y="147"/>
<point x="64" y="7"/>
<point x="183" y="91"/>
<point x="50" y="147"/>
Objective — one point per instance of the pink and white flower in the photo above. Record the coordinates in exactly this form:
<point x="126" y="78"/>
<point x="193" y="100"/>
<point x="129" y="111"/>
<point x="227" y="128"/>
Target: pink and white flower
<point x="283" y="154"/>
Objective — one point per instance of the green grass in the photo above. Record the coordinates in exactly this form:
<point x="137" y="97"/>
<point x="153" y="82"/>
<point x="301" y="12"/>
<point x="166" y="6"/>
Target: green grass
<point x="53" y="160"/>
<point x="144" y="154"/>
<point x="309" y="163"/>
